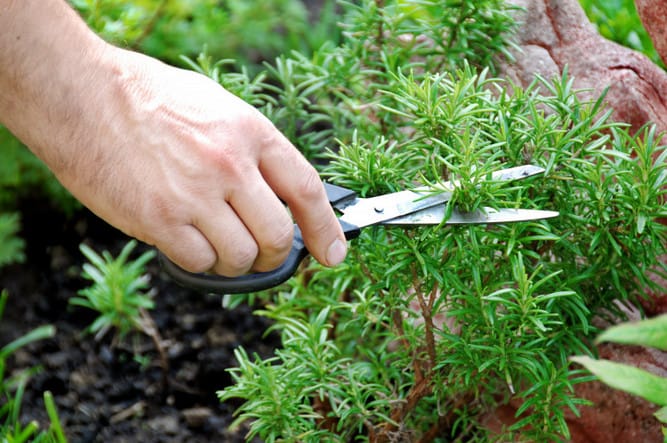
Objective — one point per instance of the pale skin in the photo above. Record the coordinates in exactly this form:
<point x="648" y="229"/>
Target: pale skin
<point x="165" y="155"/>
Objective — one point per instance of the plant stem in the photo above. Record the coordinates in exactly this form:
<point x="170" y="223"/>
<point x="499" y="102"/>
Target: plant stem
<point x="149" y="328"/>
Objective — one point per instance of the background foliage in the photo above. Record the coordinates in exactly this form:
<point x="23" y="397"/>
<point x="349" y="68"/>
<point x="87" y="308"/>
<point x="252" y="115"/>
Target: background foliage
<point x="618" y="20"/>
<point x="247" y="30"/>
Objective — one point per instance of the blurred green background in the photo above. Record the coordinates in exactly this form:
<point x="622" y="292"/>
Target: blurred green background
<point x="618" y="20"/>
<point x="246" y="30"/>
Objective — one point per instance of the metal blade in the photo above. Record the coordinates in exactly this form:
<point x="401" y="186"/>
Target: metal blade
<point x="509" y="174"/>
<point x="435" y="216"/>
<point x="362" y="212"/>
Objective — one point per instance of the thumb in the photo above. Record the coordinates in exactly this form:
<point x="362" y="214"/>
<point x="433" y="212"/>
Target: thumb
<point x="296" y="182"/>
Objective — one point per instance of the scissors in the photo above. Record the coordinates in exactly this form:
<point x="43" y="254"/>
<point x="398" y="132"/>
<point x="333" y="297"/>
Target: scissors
<point x="403" y="208"/>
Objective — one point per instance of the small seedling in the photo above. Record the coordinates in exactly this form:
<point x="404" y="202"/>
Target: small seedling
<point x="121" y="294"/>
<point x="118" y="291"/>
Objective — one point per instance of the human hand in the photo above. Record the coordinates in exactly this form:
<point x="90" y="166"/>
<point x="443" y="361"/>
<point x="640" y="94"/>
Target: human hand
<point x="181" y="163"/>
<point x="166" y="155"/>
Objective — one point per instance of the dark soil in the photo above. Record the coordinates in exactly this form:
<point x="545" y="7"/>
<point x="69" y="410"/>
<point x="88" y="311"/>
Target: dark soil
<point x="102" y="393"/>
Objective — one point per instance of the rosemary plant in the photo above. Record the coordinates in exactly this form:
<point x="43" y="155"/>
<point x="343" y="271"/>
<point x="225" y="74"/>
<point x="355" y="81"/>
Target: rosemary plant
<point x="422" y="332"/>
<point x="117" y="290"/>
<point x="118" y="294"/>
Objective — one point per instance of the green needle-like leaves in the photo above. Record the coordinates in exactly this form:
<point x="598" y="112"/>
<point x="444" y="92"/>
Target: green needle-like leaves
<point x="117" y="290"/>
<point x="423" y="328"/>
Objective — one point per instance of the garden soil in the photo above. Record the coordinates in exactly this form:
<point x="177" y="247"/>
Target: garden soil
<point x="102" y="392"/>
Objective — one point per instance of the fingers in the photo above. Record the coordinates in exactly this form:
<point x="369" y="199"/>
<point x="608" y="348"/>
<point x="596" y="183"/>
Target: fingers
<point x="253" y="231"/>
<point x="234" y="244"/>
<point x="220" y="242"/>
<point x="304" y="193"/>
<point x="186" y="246"/>
<point x="266" y="220"/>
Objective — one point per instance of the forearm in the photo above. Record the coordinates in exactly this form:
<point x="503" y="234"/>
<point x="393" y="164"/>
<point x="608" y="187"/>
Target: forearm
<point x="49" y="67"/>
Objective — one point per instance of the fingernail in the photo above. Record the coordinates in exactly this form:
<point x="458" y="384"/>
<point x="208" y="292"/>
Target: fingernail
<point x="336" y="252"/>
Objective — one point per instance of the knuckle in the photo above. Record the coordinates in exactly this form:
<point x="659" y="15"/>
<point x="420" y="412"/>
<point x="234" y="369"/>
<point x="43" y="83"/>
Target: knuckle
<point x="184" y="246"/>
<point x="280" y="242"/>
<point x="274" y="250"/>
<point x="249" y="122"/>
<point x="195" y="263"/>
<point x="309" y="185"/>
<point x="238" y="261"/>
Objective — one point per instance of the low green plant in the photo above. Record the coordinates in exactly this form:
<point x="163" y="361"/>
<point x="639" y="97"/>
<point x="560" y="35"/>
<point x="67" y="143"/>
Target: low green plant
<point x="12" y="388"/>
<point x="118" y="290"/>
<point x="422" y="332"/>
<point x="650" y="333"/>
<point x="11" y="246"/>
<point x="121" y="294"/>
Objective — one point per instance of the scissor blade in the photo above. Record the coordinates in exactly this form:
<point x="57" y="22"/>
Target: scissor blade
<point x="508" y="174"/>
<point x="362" y="212"/>
<point x="436" y="214"/>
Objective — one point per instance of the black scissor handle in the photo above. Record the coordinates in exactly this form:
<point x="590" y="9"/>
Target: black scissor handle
<point x="338" y="194"/>
<point x="249" y="282"/>
<point x="260" y="280"/>
<point x="245" y="283"/>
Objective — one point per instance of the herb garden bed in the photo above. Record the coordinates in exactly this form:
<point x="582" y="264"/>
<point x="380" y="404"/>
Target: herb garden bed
<point x="102" y="393"/>
<point x="408" y="96"/>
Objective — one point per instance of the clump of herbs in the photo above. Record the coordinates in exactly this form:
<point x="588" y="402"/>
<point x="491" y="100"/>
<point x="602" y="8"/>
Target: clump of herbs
<point x="424" y="331"/>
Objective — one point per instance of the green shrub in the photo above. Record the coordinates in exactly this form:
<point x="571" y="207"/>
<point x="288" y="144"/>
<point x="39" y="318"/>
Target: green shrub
<point x="11" y="246"/>
<point x="422" y="331"/>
